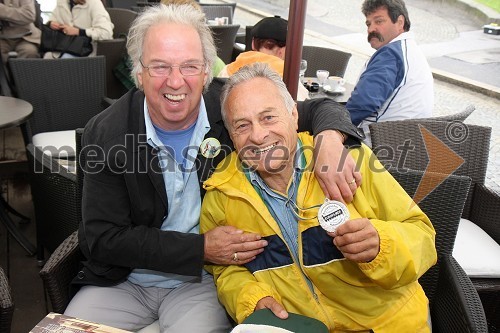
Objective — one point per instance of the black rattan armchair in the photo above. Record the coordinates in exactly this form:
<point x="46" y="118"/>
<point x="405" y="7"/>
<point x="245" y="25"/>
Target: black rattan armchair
<point x="334" y="61"/>
<point x="59" y="270"/>
<point x="401" y="144"/>
<point x="6" y="303"/>
<point x="122" y="20"/>
<point x="224" y="38"/>
<point x="115" y="51"/>
<point x="54" y="192"/>
<point x="212" y="12"/>
<point x="65" y="93"/>
<point x="459" y="116"/>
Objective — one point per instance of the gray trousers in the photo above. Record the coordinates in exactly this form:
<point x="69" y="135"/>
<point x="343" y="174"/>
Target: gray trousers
<point x="23" y="48"/>
<point x="191" y="307"/>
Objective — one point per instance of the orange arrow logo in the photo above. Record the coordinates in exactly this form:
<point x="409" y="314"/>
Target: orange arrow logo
<point x="443" y="161"/>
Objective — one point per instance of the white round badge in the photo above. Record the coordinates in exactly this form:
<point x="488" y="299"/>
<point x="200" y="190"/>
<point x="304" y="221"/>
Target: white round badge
<point x="210" y="147"/>
<point x="332" y="214"/>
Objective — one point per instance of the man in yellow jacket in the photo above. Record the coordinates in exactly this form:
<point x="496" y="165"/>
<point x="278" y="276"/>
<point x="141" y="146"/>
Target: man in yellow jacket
<point x="362" y="276"/>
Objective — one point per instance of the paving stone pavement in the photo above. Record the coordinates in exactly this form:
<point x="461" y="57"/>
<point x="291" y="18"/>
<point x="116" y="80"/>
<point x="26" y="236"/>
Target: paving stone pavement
<point x="439" y="28"/>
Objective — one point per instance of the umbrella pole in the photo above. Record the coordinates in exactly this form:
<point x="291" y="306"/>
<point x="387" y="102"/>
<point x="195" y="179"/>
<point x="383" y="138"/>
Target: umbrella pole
<point x="294" y="40"/>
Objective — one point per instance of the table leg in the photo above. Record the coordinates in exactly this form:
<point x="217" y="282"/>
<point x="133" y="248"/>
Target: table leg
<point x="4" y="83"/>
<point x="11" y="210"/>
<point x="12" y="229"/>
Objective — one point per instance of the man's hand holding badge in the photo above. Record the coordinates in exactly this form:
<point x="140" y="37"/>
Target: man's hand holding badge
<point x="357" y="239"/>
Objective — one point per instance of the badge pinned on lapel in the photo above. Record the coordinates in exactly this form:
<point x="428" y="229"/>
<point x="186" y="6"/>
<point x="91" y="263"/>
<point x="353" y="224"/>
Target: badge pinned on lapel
<point x="210" y="147"/>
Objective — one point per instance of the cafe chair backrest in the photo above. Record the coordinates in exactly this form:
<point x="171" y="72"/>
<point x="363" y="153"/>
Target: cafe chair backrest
<point x="442" y="146"/>
<point x="64" y="93"/>
<point x="121" y="3"/>
<point x="212" y="12"/>
<point x="115" y="52"/>
<point x="6" y="303"/>
<point x="224" y="38"/>
<point x="122" y="20"/>
<point x="334" y="61"/>
<point x="425" y="137"/>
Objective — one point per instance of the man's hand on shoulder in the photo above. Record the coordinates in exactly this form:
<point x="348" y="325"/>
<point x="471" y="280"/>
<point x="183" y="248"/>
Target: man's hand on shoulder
<point x="334" y="168"/>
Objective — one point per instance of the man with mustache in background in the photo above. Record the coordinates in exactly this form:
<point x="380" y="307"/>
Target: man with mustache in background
<point x="396" y="82"/>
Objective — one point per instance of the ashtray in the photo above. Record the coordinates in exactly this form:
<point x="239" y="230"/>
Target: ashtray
<point x="311" y="86"/>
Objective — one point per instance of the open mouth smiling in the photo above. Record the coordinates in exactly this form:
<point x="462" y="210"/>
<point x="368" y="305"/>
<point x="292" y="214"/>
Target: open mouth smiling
<point x="175" y="98"/>
<point x="265" y="149"/>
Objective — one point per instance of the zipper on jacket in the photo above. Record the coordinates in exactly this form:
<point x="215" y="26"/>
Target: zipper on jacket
<point x="307" y="281"/>
<point x="315" y="295"/>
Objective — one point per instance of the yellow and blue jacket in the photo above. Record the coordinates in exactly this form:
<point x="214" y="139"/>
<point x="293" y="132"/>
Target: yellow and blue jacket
<point x="382" y="295"/>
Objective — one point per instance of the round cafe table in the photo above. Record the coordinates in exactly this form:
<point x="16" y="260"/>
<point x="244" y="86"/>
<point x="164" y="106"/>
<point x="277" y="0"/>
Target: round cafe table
<point x="341" y="97"/>
<point x="14" y="112"/>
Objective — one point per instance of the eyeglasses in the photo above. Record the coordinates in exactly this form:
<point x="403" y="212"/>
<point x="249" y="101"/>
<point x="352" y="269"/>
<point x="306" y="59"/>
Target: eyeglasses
<point x="162" y="70"/>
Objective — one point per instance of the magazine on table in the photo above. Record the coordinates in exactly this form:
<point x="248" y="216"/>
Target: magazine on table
<point x="56" y="322"/>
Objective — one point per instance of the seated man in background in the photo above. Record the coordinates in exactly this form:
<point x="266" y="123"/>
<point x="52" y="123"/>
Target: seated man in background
<point x="396" y="82"/>
<point x="268" y="46"/>
<point x="361" y="276"/>
<point x="16" y="17"/>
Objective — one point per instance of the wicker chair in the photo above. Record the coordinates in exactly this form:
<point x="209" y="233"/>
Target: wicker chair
<point x="452" y="309"/>
<point x="6" y="303"/>
<point x="401" y="144"/>
<point x="54" y="193"/>
<point x="65" y="94"/>
<point x="455" y="305"/>
<point x="122" y="20"/>
<point x="243" y="43"/>
<point x="114" y="50"/>
<point x="126" y="4"/>
<point x="213" y="10"/>
<point x="224" y="38"/>
<point x="332" y="60"/>
<point x="459" y="116"/>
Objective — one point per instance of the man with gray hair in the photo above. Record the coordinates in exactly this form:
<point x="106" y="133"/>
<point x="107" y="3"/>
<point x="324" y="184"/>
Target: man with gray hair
<point x="396" y="82"/>
<point x="354" y="267"/>
<point x="146" y="158"/>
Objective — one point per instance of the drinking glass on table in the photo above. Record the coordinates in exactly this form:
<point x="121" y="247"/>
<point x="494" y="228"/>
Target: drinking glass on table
<point x="302" y="69"/>
<point x="322" y="76"/>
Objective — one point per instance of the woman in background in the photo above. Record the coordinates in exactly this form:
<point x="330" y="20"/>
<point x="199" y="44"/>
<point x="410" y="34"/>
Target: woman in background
<point x="80" y="17"/>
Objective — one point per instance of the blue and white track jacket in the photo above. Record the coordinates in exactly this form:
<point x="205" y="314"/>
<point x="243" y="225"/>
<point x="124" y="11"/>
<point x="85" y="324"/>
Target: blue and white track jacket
<point x="396" y="84"/>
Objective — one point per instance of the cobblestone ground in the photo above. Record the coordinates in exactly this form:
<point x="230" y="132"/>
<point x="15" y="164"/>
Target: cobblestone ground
<point x="429" y="24"/>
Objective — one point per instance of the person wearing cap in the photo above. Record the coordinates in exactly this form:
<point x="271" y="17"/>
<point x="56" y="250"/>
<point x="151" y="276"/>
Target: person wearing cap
<point x="361" y="276"/>
<point x="268" y="46"/>
<point x="147" y="156"/>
